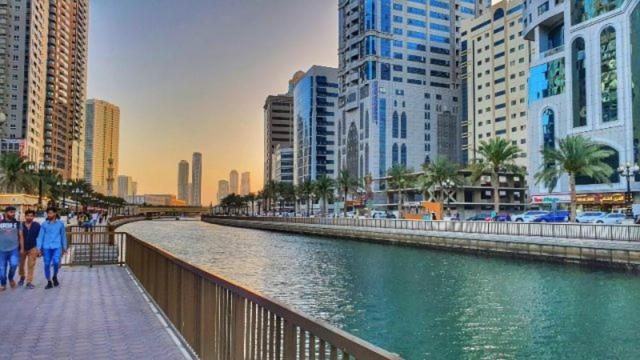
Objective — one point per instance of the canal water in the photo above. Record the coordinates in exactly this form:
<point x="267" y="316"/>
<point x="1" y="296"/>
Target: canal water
<point x="423" y="304"/>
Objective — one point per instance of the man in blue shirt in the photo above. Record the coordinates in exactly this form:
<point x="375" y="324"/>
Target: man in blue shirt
<point x="11" y="245"/>
<point x="52" y="244"/>
<point x="30" y="232"/>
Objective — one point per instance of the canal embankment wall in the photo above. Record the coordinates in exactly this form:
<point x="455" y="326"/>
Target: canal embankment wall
<point x="621" y="255"/>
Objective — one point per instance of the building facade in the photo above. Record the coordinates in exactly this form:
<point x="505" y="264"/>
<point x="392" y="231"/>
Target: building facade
<point x="278" y="128"/>
<point x="43" y="67"/>
<point x="183" y="181"/>
<point x="196" y="179"/>
<point x="66" y="87"/>
<point x="495" y="68"/>
<point x="283" y="164"/>
<point x="234" y="182"/>
<point x="399" y="81"/>
<point x="102" y="142"/>
<point x="24" y="77"/>
<point x="314" y="124"/>
<point x="223" y="190"/>
<point x="245" y="183"/>
<point x="125" y="186"/>
<point x="584" y="80"/>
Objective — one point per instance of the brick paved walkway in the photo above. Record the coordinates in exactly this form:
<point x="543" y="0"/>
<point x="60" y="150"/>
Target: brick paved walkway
<point x="96" y="313"/>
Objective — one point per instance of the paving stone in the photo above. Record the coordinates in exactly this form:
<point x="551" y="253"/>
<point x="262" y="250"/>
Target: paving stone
<point x="93" y="312"/>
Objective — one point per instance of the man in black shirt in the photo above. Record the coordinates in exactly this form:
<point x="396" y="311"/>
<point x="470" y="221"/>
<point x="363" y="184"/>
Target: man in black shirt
<point x="30" y="231"/>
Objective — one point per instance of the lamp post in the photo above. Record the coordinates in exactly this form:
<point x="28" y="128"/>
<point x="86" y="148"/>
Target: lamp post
<point x="447" y="185"/>
<point x="64" y="185"/>
<point x="39" y="170"/>
<point x="628" y="170"/>
<point x="78" y="193"/>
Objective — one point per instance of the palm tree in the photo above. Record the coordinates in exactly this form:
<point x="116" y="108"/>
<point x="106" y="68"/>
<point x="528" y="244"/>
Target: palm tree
<point x="323" y="189"/>
<point x="346" y="183"/>
<point x="400" y="178"/>
<point x="496" y="156"/>
<point x="438" y="176"/>
<point x="15" y="175"/>
<point x="307" y="189"/>
<point x="575" y="156"/>
<point x="251" y="198"/>
<point x="285" y="193"/>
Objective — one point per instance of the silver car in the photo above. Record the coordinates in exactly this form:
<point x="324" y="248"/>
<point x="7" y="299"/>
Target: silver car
<point x="529" y="216"/>
<point x="589" y="217"/>
<point x="613" y="218"/>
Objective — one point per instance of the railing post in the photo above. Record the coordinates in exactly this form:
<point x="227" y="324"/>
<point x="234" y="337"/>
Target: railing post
<point x="289" y="341"/>
<point x="90" y="250"/>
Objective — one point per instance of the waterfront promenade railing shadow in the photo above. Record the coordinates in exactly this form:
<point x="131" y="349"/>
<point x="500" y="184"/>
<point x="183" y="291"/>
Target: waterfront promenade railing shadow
<point x="216" y="317"/>
<point x="560" y="230"/>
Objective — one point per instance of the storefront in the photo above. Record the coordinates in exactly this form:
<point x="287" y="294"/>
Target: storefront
<point x="601" y="201"/>
<point x="586" y="202"/>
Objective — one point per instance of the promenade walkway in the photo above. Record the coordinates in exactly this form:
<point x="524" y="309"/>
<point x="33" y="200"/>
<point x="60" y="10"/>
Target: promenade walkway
<point x="96" y="313"/>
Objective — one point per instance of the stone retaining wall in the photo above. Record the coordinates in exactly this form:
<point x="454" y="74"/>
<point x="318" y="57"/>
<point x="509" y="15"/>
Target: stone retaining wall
<point x="592" y="253"/>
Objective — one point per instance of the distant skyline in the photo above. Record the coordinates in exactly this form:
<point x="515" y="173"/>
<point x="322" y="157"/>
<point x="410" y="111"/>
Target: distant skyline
<point x="194" y="78"/>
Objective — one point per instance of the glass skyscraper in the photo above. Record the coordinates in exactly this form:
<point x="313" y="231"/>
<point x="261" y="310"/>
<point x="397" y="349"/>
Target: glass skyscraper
<point x="400" y="94"/>
<point x="315" y="103"/>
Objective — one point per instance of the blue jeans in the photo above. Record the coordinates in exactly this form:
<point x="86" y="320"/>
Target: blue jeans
<point x="12" y="258"/>
<point x="51" y="257"/>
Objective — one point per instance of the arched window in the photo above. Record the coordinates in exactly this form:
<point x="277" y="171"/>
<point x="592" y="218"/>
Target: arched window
<point x="395" y="125"/>
<point x="403" y="154"/>
<point x="394" y="154"/>
<point x="578" y="65"/>
<point x="499" y="14"/>
<point x="548" y="128"/>
<point x="366" y="159"/>
<point x="403" y="125"/>
<point x="613" y="160"/>
<point x="366" y="125"/>
<point x="608" y="75"/>
<point x="352" y="150"/>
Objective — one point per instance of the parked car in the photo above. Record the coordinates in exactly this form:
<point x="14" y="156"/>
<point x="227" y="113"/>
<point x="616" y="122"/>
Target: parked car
<point x="612" y="218"/>
<point x="529" y="216"/>
<point x="502" y="217"/>
<point x="589" y="216"/>
<point x="553" y="217"/>
<point x="479" y="217"/>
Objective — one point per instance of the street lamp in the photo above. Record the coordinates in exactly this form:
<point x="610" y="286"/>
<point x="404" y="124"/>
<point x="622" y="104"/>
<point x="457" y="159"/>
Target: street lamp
<point x="64" y="185"/>
<point x="39" y="170"/>
<point x="628" y="170"/>
<point x="447" y="186"/>
<point x="78" y="193"/>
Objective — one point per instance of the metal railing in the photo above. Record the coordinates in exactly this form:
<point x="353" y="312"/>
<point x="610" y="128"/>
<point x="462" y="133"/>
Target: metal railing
<point x="560" y="230"/>
<point x="95" y="248"/>
<point x="223" y="320"/>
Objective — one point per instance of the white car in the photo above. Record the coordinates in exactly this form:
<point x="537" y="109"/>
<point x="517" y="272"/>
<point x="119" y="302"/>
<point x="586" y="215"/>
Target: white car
<point x="589" y="217"/>
<point x="529" y="216"/>
<point x="613" y="218"/>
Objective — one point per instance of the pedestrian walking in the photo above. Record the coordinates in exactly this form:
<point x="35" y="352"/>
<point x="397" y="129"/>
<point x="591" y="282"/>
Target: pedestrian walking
<point x="11" y="245"/>
<point x="52" y="244"/>
<point x="30" y="232"/>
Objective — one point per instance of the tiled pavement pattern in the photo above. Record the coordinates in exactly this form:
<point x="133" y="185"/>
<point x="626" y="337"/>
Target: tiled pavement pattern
<point x="95" y="313"/>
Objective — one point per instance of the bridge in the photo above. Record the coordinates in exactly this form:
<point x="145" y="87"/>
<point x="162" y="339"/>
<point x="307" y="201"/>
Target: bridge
<point x="154" y="211"/>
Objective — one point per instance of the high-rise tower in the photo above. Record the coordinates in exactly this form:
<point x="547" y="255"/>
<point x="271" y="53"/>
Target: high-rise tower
<point x="183" y="181"/>
<point x="196" y="179"/>
<point x="399" y="86"/>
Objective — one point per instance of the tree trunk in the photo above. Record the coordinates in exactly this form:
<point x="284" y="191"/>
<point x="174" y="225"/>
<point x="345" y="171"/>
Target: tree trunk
<point x="495" y="181"/>
<point x="400" y="204"/>
<point x="346" y="189"/>
<point x="572" y="189"/>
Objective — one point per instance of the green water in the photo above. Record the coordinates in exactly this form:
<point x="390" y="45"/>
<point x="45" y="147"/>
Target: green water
<point x="424" y="304"/>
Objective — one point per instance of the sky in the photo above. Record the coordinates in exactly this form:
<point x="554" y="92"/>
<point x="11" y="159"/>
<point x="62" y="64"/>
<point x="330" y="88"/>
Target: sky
<point x="192" y="75"/>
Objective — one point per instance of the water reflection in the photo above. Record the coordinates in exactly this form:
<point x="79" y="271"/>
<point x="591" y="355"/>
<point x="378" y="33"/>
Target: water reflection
<point x="423" y="304"/>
